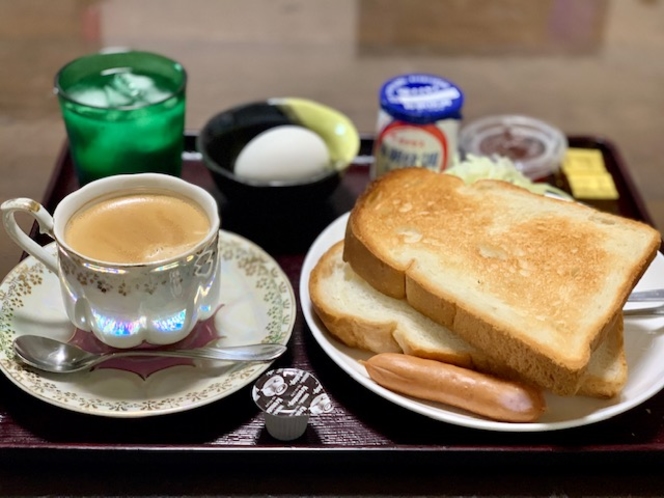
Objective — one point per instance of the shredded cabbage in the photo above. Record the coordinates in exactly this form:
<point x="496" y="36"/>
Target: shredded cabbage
<point x="475" y="168"/>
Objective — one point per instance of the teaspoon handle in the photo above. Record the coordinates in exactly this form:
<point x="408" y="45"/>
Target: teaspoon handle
<point x="252" y="352"/>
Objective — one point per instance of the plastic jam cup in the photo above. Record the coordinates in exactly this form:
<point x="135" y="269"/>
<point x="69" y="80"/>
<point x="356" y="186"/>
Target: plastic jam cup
<point x="536" y="148"/>
<point x="124" y="113"/>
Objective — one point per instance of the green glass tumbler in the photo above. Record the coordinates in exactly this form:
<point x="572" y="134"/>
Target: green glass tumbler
<point x="124" y="113"/>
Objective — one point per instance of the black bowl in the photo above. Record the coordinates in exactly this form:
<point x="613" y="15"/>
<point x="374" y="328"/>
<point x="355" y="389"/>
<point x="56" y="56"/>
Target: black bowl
<point x="224" y="136"/>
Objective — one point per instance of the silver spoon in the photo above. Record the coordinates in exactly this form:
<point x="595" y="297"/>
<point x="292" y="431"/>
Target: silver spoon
<point x="55" y="356"/>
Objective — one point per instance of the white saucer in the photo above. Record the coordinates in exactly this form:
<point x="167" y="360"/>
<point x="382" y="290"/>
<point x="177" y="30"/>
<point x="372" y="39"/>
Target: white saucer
<point x="644" y="349"/>
<point x="257" y="305"/>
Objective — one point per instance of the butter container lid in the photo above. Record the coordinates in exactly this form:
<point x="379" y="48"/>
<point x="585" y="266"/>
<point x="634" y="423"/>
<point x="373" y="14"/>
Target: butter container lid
<point x="421" y="98"/>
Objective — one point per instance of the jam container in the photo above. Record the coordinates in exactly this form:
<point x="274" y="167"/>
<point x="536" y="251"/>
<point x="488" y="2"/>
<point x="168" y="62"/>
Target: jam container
<point x="536" y="148"/>
<point x="287" y="397"/>
<point x="418" y="123"/>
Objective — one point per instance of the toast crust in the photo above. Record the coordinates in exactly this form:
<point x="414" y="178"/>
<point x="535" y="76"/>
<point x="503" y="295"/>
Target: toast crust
<point x="536" y="283"/>
<point x="606" y="379"/>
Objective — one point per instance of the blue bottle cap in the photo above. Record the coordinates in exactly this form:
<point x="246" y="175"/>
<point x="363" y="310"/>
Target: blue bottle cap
<point x="421" y="98"/>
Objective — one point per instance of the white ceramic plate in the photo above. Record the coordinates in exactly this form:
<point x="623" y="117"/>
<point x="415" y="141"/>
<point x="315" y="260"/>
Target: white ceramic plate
<point x="644" y="348"/>
<point x="257" y="305"/>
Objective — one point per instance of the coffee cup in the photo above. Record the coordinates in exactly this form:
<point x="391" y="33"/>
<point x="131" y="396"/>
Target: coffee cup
<point x="137" y="256"/>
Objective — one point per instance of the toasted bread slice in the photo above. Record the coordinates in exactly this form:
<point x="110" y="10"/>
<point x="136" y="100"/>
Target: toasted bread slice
<point x="360" y="316"/>
<point x="535" y="283"/>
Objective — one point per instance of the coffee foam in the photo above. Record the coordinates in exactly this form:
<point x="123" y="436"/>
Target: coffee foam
<point x="137" y="227"/>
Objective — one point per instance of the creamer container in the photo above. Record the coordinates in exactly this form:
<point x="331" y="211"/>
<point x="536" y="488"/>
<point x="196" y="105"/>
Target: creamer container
<point x="287" y="396"/>
<point x="418" y="123"/>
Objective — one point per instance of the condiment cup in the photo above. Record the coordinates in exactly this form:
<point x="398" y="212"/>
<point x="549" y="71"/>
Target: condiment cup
<point x="536" y="148"/>
<point x="287" y="397"/>
<point x="127" y="304"/>
<point x="225" y="136"/>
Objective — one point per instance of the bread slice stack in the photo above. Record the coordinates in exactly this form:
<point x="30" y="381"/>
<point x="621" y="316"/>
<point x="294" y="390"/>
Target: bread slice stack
<point x="361" y="317"/>
<point x="519" y="284"/>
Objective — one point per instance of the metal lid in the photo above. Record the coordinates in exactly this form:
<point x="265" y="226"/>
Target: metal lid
<point x="421" y="98"/>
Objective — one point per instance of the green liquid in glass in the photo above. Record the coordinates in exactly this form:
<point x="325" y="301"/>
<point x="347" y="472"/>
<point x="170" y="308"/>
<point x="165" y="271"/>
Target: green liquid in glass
<point x="121" y="120"/>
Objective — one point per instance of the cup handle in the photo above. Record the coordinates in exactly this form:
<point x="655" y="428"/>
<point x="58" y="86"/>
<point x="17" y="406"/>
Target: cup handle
<point x="43" y="218"/>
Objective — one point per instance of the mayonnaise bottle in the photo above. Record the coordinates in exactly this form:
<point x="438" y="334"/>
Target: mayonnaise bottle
<point x="418" y="123"/>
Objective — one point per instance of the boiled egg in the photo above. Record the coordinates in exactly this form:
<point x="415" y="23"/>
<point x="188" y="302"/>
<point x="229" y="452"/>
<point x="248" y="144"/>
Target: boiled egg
<point x="283" y="153"/>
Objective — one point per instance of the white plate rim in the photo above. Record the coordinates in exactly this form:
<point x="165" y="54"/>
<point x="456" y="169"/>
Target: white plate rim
<point x="339" y="355"/>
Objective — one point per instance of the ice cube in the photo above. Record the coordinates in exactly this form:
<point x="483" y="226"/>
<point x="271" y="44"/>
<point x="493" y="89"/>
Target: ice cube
<point x="118" y="98"/>
<point x="136" y="89"/>
<point x="154" y="95"/>
<point x="94" y="97"/>
<point x="134" y="82"/>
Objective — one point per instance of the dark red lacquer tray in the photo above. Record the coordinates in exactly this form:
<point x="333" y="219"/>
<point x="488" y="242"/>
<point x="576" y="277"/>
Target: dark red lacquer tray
<point x="363" y="429"/>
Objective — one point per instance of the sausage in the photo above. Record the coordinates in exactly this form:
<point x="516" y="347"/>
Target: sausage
<point x="476" y="392"/>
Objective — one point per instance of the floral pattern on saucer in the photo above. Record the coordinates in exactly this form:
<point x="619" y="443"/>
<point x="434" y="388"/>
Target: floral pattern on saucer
<point x="258" y="306"/>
